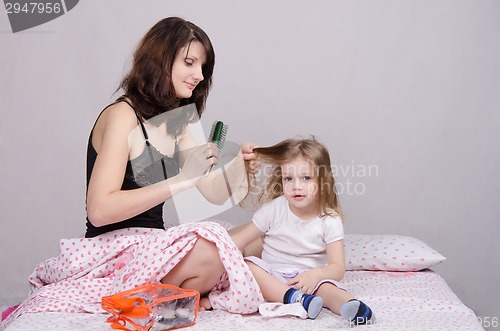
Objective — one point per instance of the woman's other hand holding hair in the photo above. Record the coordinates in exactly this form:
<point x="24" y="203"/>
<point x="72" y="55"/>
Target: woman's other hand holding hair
<point x="252" y="165"/>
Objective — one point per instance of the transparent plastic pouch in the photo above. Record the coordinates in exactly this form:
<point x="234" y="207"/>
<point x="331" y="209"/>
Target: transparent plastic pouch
<point x="152" y="307"/>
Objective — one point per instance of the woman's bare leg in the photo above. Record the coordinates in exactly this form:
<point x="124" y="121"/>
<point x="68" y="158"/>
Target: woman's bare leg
<point x="199" y="270"/>
<point x="205" y="304"/>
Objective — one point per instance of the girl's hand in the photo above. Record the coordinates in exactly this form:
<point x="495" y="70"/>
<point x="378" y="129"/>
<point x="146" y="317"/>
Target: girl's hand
<point x="306" y="281"/>
<point x="253" y="166"/>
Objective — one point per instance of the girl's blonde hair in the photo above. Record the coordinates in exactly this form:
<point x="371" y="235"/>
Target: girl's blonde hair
<point x="310" y="150"/>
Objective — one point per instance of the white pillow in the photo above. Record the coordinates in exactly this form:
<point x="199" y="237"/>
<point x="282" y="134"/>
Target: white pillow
<point x="388" y="253"/>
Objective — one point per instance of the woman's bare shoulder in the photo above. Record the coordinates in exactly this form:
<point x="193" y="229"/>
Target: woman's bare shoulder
<point x="118" y="119"/>
<point x="120" y="112"/>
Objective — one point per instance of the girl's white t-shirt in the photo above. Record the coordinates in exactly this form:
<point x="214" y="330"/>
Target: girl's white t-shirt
<point x="293" y="244"/>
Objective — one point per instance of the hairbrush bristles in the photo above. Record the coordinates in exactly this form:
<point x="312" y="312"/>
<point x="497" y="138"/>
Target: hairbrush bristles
<point x="218" y="134"/>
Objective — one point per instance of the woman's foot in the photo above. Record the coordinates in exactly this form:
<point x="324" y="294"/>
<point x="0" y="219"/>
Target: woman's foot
<point x="205" y="304"/>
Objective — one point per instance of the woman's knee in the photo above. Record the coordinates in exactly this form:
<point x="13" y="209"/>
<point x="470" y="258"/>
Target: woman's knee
<point x="207" y="256"/>
<point x="206" y="250"/>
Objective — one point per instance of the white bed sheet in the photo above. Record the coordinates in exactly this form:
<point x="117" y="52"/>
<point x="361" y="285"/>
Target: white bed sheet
<point x="401" y="301"/>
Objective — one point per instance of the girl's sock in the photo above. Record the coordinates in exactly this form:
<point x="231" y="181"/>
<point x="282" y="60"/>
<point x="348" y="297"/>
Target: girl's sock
<point x="311" y="303"/>
<point x="357" y="312"/>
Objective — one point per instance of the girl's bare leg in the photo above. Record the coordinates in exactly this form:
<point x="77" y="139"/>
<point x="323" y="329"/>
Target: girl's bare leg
<point x="200" y="269"/>
<point x="356" y="311"/>
<point x="333" y="297"/>
<point x="272" y="289"/>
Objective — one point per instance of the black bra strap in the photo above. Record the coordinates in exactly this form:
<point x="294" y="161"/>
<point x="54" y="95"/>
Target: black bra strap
<point x="144" y="132"/>
<point x="139" y="119"/>
<point x="146" y="137"/>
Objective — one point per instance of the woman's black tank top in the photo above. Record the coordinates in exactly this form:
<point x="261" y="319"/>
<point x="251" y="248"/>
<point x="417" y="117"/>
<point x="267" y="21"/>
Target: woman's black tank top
<point x="148" y="168"/>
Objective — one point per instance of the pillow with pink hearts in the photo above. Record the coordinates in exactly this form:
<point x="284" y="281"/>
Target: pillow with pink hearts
<point x="388" y="253"/>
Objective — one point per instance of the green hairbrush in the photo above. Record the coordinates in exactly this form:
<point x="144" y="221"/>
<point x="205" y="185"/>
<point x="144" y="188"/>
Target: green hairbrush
<point x="218" y="137"/>
<point x="218" y="134"/>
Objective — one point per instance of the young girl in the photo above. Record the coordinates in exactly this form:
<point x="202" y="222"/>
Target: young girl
<point x="303" y="251"/>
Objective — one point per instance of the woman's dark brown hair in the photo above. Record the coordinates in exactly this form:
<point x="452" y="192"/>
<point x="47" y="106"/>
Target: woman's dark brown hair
<point x="311" y="151"/>
<point x="148" y="84"/>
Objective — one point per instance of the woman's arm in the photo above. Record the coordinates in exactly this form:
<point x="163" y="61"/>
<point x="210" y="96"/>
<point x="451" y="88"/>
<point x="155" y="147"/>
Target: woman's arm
<point x="106" y="202"/>
<point x="218" y="186"/>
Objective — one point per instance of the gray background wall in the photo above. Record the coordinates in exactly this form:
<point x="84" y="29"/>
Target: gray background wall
<point x="408" y="89"/>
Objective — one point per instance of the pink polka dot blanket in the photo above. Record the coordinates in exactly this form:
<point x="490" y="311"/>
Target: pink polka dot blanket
<point x="411" y="300"/>
<point x="388" y="272"/>
<point x="89" y="268"/>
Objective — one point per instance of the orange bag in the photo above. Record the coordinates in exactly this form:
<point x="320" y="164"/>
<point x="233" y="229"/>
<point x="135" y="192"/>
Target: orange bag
<point x="152" y="307"/>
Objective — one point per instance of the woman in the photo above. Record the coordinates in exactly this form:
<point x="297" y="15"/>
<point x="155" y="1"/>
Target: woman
<point x="172" y="67"/>
<point x="140" y="154"/>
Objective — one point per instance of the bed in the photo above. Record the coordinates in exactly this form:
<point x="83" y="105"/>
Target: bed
<point x="390" y="273"/>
